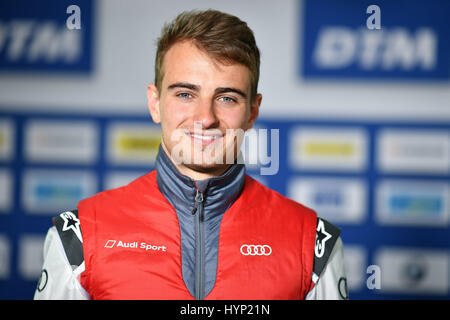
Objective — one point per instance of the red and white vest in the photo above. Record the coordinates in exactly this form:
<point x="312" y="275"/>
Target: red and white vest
<point x="132" y="245"/>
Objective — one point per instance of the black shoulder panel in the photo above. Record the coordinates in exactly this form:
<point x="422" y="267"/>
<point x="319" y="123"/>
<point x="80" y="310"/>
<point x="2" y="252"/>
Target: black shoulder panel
<point x="69" y="230"/>
<point x="326" y="236"/>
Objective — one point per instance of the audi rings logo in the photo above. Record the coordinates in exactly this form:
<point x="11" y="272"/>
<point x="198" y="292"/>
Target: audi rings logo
<point x="256" y="250"/>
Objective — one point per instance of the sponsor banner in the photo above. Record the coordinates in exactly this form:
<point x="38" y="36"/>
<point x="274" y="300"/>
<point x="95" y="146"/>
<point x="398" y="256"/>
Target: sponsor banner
<point x="53" y="191"/>
<point x="341" y="40"/>
<point x="413" y="203"/>
<point x="5" y="257"/>
<point x="355" y="263"/>
<point x="6" y="193"/>
<point x="7" y="139"/>
<point x="414" y="151"/>
<point x="46" y="35"/>
<point x="61" y="141"/>
<point x="133" y="143"/>
<point x="339" y="200"/>
<point x="31" y="248"/>
<point x="327" y="148"/>
<point x="413" y="271"/>
<point x="120" y="178"/>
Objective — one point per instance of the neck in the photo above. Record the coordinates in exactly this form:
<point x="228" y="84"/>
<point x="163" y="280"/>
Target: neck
<point x="181" y="189"/>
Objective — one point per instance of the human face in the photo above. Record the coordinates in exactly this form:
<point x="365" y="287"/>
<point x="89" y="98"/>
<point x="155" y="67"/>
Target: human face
<point x="200" y="105"/>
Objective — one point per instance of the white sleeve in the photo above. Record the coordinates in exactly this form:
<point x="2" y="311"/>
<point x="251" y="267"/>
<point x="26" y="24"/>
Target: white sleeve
<point x="332" y="283"/>
<point x="58" y="281"/>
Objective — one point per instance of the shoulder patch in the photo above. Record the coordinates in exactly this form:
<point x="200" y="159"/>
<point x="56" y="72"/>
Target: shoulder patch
<point x="69" y="230"/>
<point x="326" y="236"/>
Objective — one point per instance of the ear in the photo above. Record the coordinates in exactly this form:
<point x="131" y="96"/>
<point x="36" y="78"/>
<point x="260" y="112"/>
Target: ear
<point x="153" y="102"/>
<point x="254" y="111"/>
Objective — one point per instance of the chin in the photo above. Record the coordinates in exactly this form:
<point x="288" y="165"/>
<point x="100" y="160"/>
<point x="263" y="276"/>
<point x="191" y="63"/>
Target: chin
<point x="201" y="158"/>
<point x="207" y="168"/>
<point x="209" y="164"/>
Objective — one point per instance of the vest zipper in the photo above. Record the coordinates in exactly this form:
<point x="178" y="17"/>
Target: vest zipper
<point x="199" y="246"/>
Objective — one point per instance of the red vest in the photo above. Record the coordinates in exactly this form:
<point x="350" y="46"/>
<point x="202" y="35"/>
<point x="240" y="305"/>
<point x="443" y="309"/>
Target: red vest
<point x="132" y="249"/>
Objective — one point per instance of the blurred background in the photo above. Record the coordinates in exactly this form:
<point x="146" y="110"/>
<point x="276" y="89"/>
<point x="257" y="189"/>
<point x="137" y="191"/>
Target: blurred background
<point x="363" y="116"/>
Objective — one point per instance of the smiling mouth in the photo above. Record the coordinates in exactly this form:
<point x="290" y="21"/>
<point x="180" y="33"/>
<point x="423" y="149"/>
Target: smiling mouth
<point x="203" y="138"/>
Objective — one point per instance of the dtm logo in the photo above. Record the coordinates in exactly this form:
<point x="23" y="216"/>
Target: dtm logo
<point x="46" y="35"/>
<point x="342" y="46"/>
<point x="256" y="250"/>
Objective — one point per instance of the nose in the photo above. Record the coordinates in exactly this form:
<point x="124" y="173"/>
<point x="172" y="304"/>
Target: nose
<point x="206" y="115"/>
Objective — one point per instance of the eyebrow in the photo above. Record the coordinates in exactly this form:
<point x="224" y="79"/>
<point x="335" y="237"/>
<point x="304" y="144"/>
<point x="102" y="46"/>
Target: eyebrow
<point x="194" y="87"/>
<point x="184" y="85"/>
<point x="224" y="90"/>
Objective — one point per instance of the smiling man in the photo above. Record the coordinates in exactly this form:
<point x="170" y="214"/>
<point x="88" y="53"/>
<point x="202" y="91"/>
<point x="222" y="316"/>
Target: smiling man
<point x="198" y="101"/>
<point x="196" y="227"/>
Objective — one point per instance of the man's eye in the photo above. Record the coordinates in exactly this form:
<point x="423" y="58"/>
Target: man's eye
<point x="227" y="99"/>
<point x="184" y="95"/>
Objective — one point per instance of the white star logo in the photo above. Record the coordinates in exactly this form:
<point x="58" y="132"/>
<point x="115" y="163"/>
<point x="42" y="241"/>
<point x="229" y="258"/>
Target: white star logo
<point x="71" y="222"/>
<point x="322" y="236"/>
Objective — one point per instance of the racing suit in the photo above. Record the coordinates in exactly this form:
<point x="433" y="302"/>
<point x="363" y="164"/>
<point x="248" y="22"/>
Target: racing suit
<point x="166" y="236"/>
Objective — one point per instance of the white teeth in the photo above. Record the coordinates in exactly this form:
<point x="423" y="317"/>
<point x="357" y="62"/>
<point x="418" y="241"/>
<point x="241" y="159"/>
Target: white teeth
<point x="208" y="138"/>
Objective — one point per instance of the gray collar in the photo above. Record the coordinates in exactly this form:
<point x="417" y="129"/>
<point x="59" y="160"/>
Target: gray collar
<point x="219" y="192"/>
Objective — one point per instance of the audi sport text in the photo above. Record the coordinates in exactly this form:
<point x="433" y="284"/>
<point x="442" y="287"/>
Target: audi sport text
<point x="135" y="245"/>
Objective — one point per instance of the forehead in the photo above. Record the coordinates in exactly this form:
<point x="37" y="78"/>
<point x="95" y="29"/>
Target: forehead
<point x="184" y="61"/>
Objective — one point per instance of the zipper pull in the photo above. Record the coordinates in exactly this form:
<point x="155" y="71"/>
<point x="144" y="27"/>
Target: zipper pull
<point x="199" y="196"/>
<point x="198" y="200"/>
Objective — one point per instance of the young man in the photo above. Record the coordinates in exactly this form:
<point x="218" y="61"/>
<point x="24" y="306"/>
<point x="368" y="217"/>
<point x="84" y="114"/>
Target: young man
<point x="197" y="226"/>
